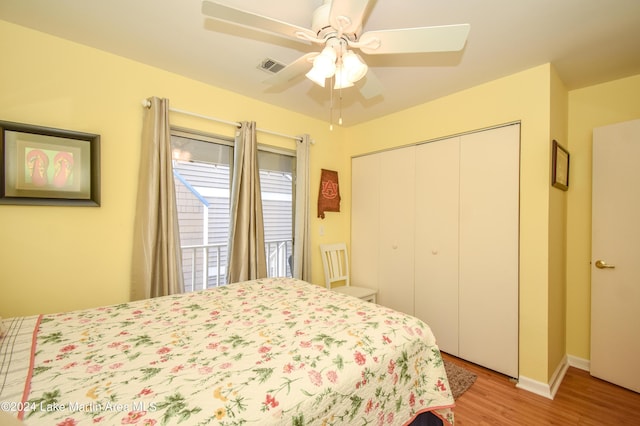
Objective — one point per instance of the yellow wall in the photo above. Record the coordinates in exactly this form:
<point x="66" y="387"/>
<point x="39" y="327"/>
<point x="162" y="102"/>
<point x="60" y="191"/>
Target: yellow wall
<point x="595" y="106"/>
<point x="557" y="232"/>
<point x="521" y="97"/>
<point x="63" y="258"/>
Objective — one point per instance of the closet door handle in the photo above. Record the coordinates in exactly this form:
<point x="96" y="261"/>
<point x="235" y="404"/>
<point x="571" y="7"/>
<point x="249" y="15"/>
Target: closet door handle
<point x="601" y="264"/>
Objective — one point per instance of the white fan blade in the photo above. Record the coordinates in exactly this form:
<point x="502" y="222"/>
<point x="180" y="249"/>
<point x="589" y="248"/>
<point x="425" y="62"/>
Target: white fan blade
<point x="446" y="38"/>
<point x="291" y="71"/>
<point x="370" y="86"/>
<point x="251" y="20"/>
<point x="347" y="14"/>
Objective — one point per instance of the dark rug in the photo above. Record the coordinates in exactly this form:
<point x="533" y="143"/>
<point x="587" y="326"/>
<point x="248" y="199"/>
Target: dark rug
<point x="460" y="379"/>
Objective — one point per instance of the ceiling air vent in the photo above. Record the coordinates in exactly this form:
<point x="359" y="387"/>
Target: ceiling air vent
<point x="271" y="66"/>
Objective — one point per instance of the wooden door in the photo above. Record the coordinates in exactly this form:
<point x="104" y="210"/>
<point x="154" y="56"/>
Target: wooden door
<point x="436" y="239"/>
<point x="489" y="232"/>
<point x="615" y="261"/>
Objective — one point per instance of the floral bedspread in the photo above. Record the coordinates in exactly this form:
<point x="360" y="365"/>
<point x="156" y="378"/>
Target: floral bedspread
<point x="263" y="352"/>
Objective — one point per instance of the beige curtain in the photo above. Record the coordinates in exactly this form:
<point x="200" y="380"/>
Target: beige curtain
<point x="301" y="250"/>
<point x="157" y="259"/>
<point x="246" y="253"/>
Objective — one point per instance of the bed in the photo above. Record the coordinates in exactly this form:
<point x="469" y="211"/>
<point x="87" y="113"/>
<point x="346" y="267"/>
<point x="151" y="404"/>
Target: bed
<point x="264" y="352"/>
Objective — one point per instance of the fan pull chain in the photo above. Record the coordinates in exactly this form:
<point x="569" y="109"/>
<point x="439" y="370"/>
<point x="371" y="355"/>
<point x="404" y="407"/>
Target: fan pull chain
<point x="340" y="108"/>
<point x="341" y="47"/>
<point x="331" y="106"/>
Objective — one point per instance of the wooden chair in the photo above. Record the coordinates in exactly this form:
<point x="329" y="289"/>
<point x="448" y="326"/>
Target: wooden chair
<point x="336" y="268"/>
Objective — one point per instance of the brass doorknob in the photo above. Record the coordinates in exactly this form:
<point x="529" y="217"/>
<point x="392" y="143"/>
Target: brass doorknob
<point x="601" y="264"/>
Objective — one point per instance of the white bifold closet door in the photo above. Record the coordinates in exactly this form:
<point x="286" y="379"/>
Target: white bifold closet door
<point x="397" y="213"/>
<point x="466" y="279"/>
<point x="365" y="222"/>
<point x="437" y="239"/>
<point x="489" y="234"/>
<point x="382" y="226"/>
<point x="435" y="230"/>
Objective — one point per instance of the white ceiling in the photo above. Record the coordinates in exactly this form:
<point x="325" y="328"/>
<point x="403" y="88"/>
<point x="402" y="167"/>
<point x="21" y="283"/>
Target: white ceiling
<point x="588" y="41"/>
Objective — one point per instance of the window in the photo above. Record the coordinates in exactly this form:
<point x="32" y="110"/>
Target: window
<point x="276" y="184"/>
<point x="202" y="169"/>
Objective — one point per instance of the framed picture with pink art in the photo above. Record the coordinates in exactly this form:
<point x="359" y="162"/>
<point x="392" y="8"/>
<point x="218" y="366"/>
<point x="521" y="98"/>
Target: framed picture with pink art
<point x="46" y="166"/>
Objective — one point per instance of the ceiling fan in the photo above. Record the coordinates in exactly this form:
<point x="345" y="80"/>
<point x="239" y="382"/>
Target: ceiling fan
<point x="337" y="24"/>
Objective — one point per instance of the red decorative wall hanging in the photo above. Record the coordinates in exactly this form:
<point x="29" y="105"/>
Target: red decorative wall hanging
<point x="329" y="196"/>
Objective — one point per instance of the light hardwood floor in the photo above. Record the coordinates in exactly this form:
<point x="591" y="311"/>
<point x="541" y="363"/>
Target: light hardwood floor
<point x="581" y="400"/>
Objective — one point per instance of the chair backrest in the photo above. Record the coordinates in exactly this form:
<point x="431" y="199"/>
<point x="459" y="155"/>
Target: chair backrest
<point x="335" y="262"/>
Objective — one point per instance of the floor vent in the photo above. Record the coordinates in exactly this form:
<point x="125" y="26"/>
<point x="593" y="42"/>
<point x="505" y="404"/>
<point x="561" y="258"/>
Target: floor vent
<point x="271" y="66"/>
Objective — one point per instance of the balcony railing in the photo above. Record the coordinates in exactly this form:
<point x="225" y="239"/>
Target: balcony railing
<point x="205" y="265"/>
<point x="279" y="254"/>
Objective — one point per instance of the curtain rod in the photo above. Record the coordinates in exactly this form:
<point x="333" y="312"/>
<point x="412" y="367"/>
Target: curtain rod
<point x="147" y="104"/>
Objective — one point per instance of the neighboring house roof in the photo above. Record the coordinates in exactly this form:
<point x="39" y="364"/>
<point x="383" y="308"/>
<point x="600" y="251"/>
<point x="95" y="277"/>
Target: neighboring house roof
<point x="209" y="184"/>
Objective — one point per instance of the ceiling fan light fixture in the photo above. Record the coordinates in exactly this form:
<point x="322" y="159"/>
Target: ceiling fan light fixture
<point x="353" y="66"/>
<point x="342" y="79"/>
<point x="324" y="66"/>
<point x="317" y="76"/>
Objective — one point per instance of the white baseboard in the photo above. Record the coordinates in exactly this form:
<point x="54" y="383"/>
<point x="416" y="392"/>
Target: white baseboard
<point x="558" y="376"/>
<point x="581" y="363"/>
<point x="534" y="386"/>
<point x="548" y="390"/>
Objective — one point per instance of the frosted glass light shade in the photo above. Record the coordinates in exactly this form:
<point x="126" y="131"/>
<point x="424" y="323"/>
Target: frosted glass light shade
<point x="324" y="66"/>
<point x="342" y="79"/>
<point x="353" y="66"/>
<point x="317" y="76"/>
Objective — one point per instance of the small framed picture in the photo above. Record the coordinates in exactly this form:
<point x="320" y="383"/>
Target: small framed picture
<point x="46" y="166"/>
<point x="559" y="167"/>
